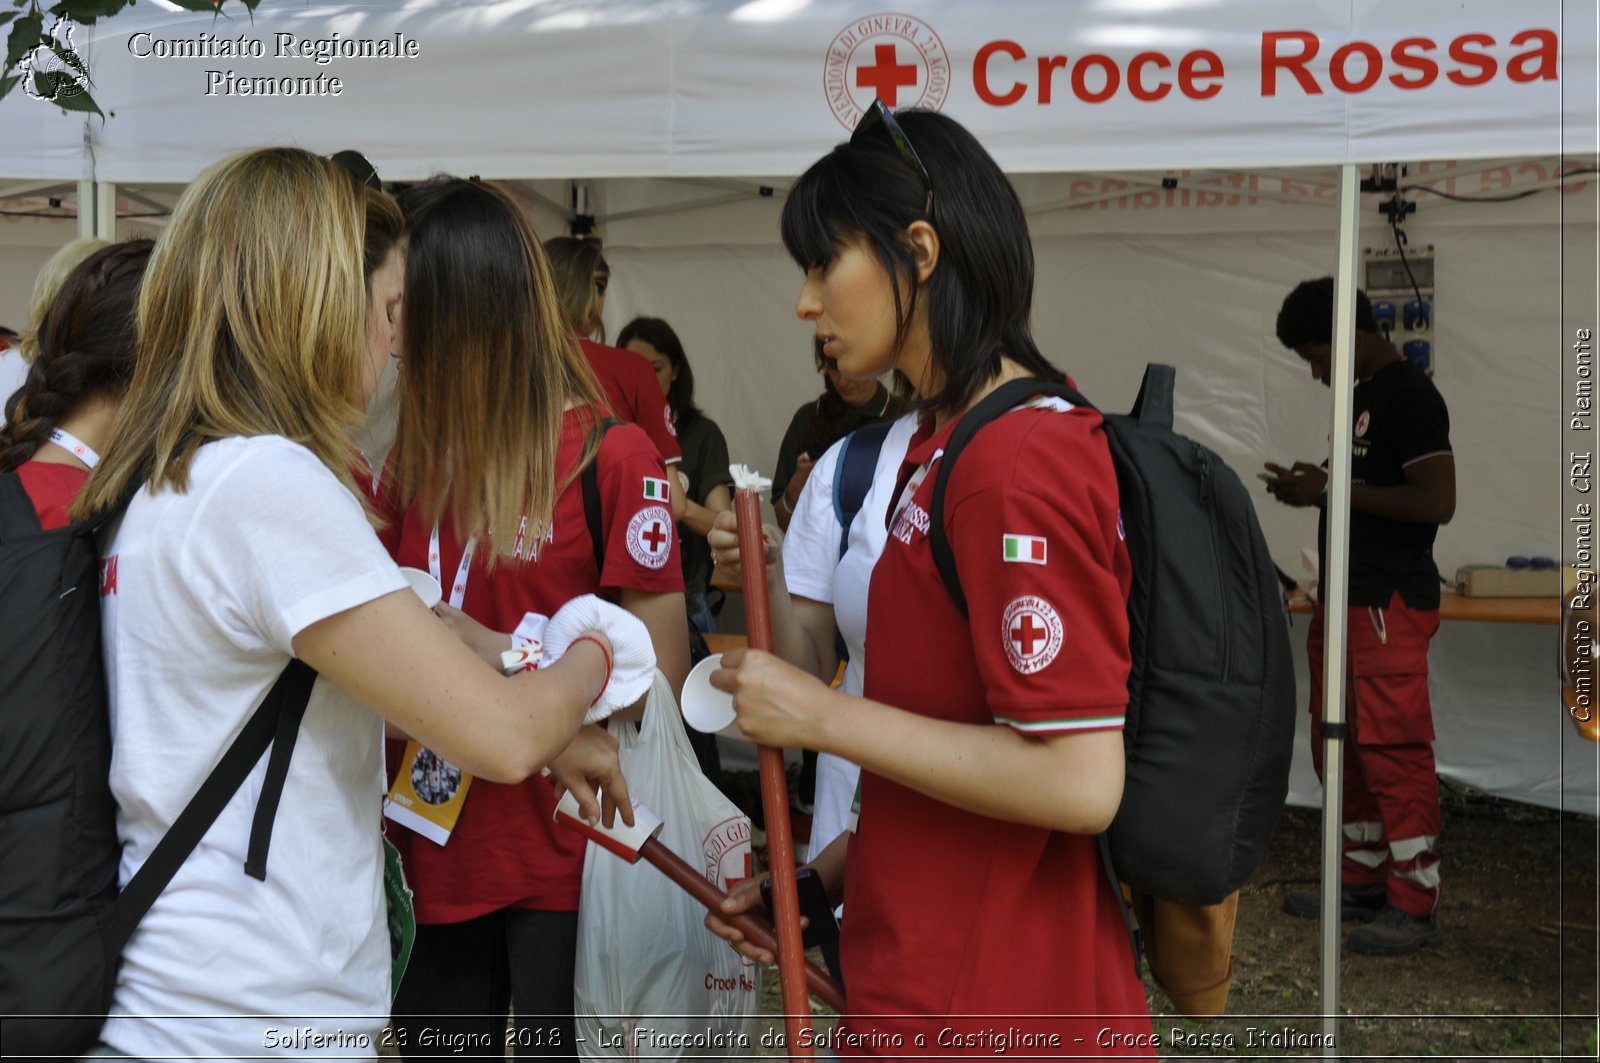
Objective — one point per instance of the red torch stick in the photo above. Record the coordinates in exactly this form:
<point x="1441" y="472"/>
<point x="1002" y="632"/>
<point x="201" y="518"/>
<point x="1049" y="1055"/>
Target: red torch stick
<point x="696" y="885"/>
<point x="774" y="789"/>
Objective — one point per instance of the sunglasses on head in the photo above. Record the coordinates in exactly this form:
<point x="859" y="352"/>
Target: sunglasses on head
<point x="357" y="165"/>
<point x="879" y="115"/>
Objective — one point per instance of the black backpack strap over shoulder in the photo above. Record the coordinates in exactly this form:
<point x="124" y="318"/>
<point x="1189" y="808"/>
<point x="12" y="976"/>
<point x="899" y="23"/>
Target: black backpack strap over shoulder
<point x="293" y="692"/>
<point x="283" y="708"/>
<point x="18" y="517"/>
<point x="1154" y="404"/>
<point x="591" y="497"/>
<point x="853" y="472"/>
<point x="1005" y="397"/>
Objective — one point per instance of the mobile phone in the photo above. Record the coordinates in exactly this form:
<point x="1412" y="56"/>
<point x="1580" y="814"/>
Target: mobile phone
<point x="822" y="928"/>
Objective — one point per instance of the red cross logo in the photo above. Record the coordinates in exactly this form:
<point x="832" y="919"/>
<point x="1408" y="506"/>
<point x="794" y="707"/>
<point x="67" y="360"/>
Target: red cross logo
<point x="749" y="871"/>
<point x="886" y="76"/>
<point x="1032" y="631"/>
<point x="1026" y="633"/>
<point x="891" y="55"/>
<point x="650" y="536"/>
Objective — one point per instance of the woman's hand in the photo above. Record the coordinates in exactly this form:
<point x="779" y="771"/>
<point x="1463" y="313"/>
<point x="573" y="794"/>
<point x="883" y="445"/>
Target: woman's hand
<point x="589" y="763"/>
<point x="724" y="541"/>
<point x="778" y="704"/>
<point x="485" y="643"/>
<point x="742" y="898"/>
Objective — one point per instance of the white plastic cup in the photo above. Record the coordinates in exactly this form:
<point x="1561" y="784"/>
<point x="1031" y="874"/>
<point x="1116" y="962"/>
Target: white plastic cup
<point x="426" y="586"/>
<point x="705" y="708"/>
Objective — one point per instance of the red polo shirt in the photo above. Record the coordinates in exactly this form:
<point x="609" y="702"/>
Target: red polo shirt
<point x="950" y="913"/>
<point x="631" y="390"/>
<point x="52" y="487"/>
<point x="505" y="851"/>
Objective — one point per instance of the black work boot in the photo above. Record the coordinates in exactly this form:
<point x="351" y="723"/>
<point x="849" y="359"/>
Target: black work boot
<point x="1396" y="933"/>
<point x="1357" y="904"/>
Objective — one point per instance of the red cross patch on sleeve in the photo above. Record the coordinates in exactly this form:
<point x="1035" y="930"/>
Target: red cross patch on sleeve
<point x="650" y="536"/>
<point x="1030" y="630"/>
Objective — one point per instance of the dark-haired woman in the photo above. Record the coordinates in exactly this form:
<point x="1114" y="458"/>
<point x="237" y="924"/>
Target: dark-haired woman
<point x="705" y="455"/>
<point x="990" y="758"/>
<point x="57" y="423"/>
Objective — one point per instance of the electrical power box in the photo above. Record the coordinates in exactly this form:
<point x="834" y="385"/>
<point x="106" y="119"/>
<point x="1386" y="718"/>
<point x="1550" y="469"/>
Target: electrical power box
<point x="1402" y="292"/>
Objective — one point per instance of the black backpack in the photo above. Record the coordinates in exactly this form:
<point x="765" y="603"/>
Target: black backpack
<point x="1211" y="701"/>
<point x="63" y="925"/>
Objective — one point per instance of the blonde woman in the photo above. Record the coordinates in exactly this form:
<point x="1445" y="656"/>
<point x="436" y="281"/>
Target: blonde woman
<point x="498" y="415"/>
<point x="245" y="546"/>
<point x="15" y="358"/>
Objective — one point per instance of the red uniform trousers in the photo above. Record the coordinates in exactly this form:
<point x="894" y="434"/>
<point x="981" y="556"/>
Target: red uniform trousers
<point x="1391" y="792"/>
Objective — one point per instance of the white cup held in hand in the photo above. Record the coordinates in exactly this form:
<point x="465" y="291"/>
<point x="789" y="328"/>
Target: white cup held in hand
<point x="705" y="708"/>
<point x="426" y="586"/>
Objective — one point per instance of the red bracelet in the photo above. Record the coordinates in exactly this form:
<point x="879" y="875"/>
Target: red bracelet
<point x="604" y="653"/>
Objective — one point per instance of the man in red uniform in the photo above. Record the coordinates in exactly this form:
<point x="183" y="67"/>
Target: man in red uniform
<point x="1403" y="487"/>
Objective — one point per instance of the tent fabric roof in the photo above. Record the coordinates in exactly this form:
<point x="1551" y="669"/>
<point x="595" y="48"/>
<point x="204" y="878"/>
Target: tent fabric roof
<point x="607" y="88"/>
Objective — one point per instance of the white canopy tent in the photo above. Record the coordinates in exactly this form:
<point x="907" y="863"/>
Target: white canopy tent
<point x="668" y="119"/>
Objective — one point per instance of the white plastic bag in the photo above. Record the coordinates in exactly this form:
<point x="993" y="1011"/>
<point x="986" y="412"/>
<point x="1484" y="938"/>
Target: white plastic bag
<point x="651" y="980"/>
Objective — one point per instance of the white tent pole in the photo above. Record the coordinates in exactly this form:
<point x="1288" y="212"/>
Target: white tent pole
<point x="1335" y="593"/>
<point x="86" y="205"/>
<point x="105" y="211"/>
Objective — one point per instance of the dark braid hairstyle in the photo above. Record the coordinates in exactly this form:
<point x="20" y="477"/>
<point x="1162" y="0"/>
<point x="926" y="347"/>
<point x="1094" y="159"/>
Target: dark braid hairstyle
<point x="86" y="345"/>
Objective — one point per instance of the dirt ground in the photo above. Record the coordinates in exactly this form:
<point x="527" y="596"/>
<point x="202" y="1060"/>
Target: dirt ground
<point x="1518" y="975"/>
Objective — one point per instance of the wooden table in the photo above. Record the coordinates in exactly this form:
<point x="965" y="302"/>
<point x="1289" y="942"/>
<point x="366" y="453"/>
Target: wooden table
<point x="1453" y="606"/>
<point x="719" y="643"/>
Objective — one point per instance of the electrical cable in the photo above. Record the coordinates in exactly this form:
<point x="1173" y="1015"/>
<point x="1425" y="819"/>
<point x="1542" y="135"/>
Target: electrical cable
<point x="1499" y="199"/>
<point x="1395" y="216"/>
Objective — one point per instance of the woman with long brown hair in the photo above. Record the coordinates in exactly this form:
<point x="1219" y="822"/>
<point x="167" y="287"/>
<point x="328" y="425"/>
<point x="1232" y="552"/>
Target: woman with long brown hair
<point x="499" y="416"/>
<point x="244" y="546"/>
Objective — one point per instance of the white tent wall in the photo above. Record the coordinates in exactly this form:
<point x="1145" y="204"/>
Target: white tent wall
<point x="711" y="91"/>
<point x="1119" y="284"/>
<point x="26" y="243"/>
<point x="1118" y="287"/>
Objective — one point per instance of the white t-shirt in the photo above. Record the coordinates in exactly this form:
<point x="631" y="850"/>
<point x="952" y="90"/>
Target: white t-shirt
<point x="202" y="593"/>
<point x="813" y="569"/>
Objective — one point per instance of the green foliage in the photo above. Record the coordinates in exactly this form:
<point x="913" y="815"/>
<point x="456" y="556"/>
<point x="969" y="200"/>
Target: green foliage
<point x="86" y="12"/>
<point x="25" y="33"/>
<point x="27" y="42"/>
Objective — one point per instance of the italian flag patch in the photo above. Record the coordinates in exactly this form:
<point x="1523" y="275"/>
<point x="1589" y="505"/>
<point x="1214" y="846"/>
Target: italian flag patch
<point x="657" y="490"/>
<point x="1024" y="549"/>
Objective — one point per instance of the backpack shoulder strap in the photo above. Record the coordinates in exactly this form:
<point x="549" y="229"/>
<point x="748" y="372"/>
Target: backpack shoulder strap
<point x="853" y="473"/>
<point x="591" y="496"/>
<point x="18" y="517"/>
<point x="1154" y="404"/>
<point x="1005" y="397"/>
<point x="281" y="710"/>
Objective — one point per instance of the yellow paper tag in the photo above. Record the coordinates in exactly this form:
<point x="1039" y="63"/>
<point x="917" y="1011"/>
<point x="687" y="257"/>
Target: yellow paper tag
<point x="428" y="793"/>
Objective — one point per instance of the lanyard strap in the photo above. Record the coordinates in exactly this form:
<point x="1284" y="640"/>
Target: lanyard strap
<point x="80" y="450"/>
<point x="458" y="589"/>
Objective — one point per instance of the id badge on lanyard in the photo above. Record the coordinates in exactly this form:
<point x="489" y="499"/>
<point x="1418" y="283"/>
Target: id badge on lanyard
<point x="429" y="792"/>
